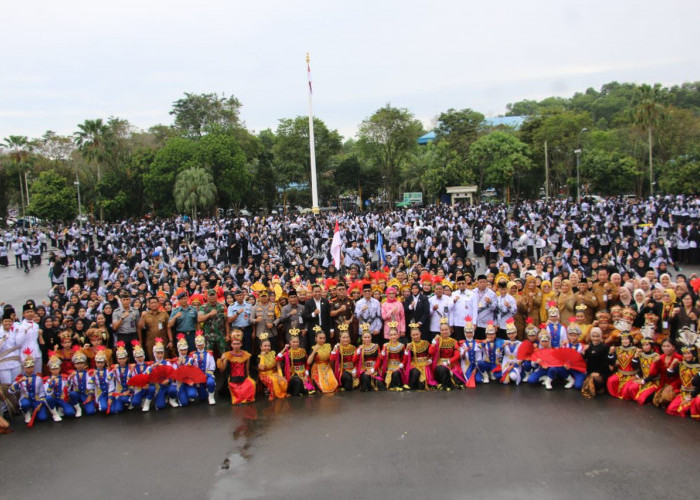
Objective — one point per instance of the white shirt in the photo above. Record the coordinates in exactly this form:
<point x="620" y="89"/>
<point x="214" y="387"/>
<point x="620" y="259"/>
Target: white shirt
<point x="462" y="307"/>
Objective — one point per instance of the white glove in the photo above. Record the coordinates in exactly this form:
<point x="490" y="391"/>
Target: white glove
<point x="306" y="373"/>
<point x="400" y="366"/>
<point x="354" y="372"/>
<point x="407" y="351"/>
<point x="359" y="351"/>
<point x="371" y="371"/>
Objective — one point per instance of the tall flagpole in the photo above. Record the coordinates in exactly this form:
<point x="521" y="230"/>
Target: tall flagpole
<point x="312" y="146"/>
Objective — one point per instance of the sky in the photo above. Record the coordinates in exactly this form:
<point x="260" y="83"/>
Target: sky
<point x="65" y="62"/>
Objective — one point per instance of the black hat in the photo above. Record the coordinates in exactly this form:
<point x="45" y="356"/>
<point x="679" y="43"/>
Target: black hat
<point x="7" y="315"/>
<point x="238" y="291"/>
<point x="27" y="307"/>
<point x="182" y="295"/>
<point x="460" y="279"/>
<point x="292" y="293"/>
<point x="481" y="277"/>
<point x="366" y="286"/>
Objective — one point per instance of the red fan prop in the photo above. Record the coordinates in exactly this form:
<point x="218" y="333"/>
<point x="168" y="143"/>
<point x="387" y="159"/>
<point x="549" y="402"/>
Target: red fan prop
<point x="160" y="373"/>
<point x="189" y="375"/>
<point x="525" y="350"/>
<point x="571" y="359"/>
<point x="546" y="358"/>
<point x="140" y="380"/>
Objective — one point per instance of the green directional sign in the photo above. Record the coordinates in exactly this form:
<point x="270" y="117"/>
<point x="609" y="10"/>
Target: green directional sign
<point x="413" y="197"/>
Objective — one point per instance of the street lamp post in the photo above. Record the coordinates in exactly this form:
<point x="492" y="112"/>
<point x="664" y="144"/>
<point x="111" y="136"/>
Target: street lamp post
<point x="80" y="212"/>
<point x="577" y="152"/>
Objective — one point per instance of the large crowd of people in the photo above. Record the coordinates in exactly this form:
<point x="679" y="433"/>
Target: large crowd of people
<point x="155" y="313"/>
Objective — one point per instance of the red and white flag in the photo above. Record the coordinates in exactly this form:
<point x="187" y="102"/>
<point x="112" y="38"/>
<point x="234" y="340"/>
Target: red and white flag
<point x="308" y="72"/>
<point x="336" y="246"/>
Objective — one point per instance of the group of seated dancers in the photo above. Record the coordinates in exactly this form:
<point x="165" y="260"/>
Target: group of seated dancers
<point x="638" y="369"/>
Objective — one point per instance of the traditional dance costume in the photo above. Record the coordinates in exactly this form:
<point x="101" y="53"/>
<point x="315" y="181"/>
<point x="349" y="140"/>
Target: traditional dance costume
<point x="321" y="372"/>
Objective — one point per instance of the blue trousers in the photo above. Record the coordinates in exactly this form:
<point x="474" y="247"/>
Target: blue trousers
<point x="535" y="376"/>
<point x="485" y="367"/>
<point x="56" y="403"/>
<point x="186" y="393"/>
<point x="161" y="394"/>
<point x="140" y="394"/>
<point x="121" y="403"/>
<point x="563" y="373"/>
<point x="29" y="405"/>
<point x="78" y="398"/>
<point x="207" y="388"/>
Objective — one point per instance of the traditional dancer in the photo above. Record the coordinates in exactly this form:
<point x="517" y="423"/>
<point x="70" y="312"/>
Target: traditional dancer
<point x="391" y="359"/>
<point x="418" y="362"/>
<point x="121" y="374"/>
<point x="620" y="358"/>
<point x="237" y="363"/>
<point x="511" y="369"/>
<point x="445" y="353"/>
<point x="471" y="353"/>
<point x="295" y="371"/>
<point x="56" y="388"/>
<point x="688" y="369"/>
<point x="32" y="396"/>
<point x="367" y="361"/>
<point x="343" y="359"/>
<point x="319" y="361"/>
<point x="490" y="364"/>
<point x="80" y="388"/>
<point x="270" y="371"/>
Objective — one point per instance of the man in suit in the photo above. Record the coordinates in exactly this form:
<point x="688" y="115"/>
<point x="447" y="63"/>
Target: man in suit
<point x="317" y="311"/>
<point x="419" y="311"/>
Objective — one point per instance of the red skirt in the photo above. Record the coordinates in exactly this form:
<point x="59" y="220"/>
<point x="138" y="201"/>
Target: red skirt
<point x="242" y="392"/>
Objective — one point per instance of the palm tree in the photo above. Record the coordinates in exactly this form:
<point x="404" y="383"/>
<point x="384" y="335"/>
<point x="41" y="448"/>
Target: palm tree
<point x="416" y="165"/>
<point x="648" y="113"/>
<point x="20" y="148"/>
<point x="91" y="139"/>
<point x="194" y="188"/>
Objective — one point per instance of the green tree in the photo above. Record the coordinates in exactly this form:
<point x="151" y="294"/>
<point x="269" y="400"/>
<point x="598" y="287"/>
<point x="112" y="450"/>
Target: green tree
<point x="196" y="114"/>
<point x="292" y="155"/>
<point x="19" y="153"/>
<point x="460" y="129"/>
<point x="608" y="173"/>
<point x="218" y="152"/>
<point x="55" y="147"/>
<point x="563" y="134"/>
<point x="681" y="174"/>
<point x="53" y="198"/>
<point x="194" y="189"/>
<point x="387" y="138"/>
<point x="91" y="138"/>
<point x="498" y="158"/>
<point x="648" y="113"/>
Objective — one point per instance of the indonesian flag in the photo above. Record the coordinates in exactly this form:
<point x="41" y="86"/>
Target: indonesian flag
<point x="336" y="245"/>
<point x="308" y="72"/>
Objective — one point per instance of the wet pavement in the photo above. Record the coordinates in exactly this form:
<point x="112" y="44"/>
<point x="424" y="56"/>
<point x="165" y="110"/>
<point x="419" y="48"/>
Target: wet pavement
<point x="490" y="442"/>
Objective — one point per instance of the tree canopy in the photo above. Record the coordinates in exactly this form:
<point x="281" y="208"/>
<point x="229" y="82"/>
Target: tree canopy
<point x="632" y="139"/>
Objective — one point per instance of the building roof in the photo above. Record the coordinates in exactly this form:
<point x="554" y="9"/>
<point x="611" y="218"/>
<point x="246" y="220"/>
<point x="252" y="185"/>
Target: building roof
<point x="495" y="121"/>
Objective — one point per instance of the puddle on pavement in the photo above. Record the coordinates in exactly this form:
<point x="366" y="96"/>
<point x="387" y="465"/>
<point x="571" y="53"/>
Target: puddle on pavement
<point x="254" y="420"/>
